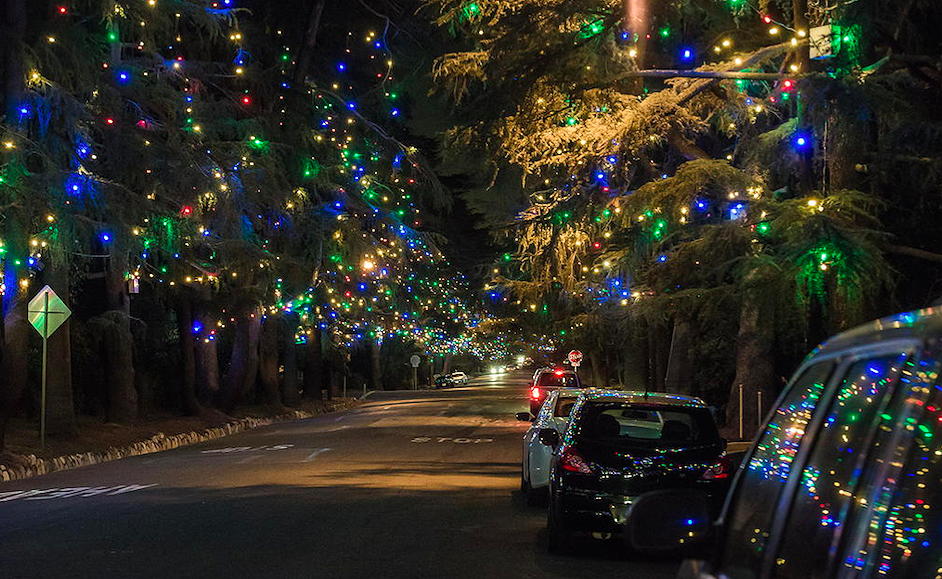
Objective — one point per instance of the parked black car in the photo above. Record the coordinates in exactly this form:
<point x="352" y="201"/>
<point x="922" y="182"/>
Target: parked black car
<point x="620" y="445"/>
<point x="843" y="479"/>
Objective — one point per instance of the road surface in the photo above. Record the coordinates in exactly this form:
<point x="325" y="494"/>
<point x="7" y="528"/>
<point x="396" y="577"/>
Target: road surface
<point x="411" y="484"/>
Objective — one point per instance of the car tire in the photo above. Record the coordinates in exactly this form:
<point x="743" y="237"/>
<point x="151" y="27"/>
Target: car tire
<point x="558" y="537"/>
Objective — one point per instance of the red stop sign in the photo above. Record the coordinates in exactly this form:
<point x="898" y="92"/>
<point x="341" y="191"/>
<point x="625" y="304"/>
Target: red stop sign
<point x="575" y="357"/>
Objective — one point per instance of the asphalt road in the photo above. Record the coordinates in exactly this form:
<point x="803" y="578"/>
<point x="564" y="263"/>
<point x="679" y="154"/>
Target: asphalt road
<point x="411" y="484"/>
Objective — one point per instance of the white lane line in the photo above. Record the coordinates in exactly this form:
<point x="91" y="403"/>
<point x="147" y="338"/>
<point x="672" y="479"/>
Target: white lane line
<point x="248" y="459"/>
<point x="316" y="452"/>
<point x="339" y="418"/>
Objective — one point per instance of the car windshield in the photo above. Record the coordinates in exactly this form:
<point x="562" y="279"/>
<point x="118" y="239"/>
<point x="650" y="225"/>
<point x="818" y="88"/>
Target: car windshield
<point x="646" y="424"/>
<point x="556" y="380"/>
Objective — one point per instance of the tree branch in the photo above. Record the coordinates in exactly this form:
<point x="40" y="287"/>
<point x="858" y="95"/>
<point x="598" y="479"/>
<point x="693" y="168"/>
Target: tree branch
<point x="915" y="252"/>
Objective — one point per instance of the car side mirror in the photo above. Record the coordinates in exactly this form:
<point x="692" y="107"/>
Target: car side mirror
<point x="524" y="417"/>
<point x="668" y="520"/>
<point x="549" y="437"/>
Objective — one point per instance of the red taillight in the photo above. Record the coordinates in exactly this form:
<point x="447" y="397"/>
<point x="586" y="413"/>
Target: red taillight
<point x="558" y="372"/>
<point x="573" y="462"/>
<point x="535" y="393"/>
<point x="722" y="469"/>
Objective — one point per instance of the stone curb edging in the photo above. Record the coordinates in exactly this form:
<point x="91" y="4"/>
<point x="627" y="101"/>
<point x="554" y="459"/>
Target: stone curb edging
<point x="159" y="442"/>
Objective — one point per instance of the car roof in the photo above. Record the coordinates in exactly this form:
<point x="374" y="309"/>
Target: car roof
<point x="919" y="325"/>
<point x="640" y="397"/>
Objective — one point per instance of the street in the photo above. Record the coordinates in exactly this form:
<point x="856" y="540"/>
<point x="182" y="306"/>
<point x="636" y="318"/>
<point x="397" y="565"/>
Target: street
<point x="411" y="484"/>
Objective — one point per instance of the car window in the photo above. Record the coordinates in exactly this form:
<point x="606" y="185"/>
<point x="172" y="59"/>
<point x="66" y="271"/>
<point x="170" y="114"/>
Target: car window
<point x="898" y="531"/>
<point x="645" y="423"/>
<point x="753" y="506"/>
<point x="564" y="406"/>
<point x="831" y="475"/>
<point x="553" y="379"/>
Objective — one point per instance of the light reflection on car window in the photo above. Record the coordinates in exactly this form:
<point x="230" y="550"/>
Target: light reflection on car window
<point x="750" y="520"/>
<point x="830" y="478"/>
<point x="900" y="535"/>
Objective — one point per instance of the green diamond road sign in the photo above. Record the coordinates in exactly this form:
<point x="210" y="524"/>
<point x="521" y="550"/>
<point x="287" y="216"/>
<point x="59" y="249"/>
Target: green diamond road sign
<point x="47" y="312"/>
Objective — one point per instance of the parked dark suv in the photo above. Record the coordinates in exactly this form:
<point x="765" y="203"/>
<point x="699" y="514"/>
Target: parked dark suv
<point x="843" y="479"/>
<point x="619" y="445"/>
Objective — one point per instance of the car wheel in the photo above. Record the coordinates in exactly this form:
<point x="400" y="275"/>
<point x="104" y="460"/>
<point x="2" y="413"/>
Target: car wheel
<point x="559" y="538"/>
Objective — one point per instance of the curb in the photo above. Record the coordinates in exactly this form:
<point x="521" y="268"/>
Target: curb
<point x="158" y="443"/>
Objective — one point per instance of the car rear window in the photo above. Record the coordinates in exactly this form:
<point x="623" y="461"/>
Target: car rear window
<point x="646" y="423"/>
<point x="555" y="380"/>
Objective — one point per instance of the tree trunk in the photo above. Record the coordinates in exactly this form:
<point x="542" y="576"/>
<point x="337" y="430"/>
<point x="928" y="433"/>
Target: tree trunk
<point x="207" y="365"/>
<point x="337" y="374"/>
<point x="12" y="40"/>
<point x="755" y="371"/>
<point x="636" y="25"/>
<point x="16" y="341"/>
<point x="290" y="395"/>
<point x="118" y="345"/>
<point x="149" y="370"/>
<point x="268" y="360"/>
<point x="658" y="356"/>
<point x="118" y="355"/>
<point x="314" y="366"/>
<point x="596" y="370"/>
<point x="188" y="399"/>
<point x="679" y="379"/>
<point x="60" y="407"/>
<point x="15" y="332"/>
<point x="376" y="367"/>
<point x="240" y="378"/>
<point x="306" y="54"/>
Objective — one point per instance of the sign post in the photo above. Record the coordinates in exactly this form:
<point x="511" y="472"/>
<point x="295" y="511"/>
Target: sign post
<point x="46" y="312"/>
<point x="415" y="361"/>
<point x="575" y="358"/>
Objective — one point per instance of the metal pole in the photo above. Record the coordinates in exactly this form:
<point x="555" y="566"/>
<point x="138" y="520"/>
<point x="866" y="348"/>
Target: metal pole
<point x="42" y="412"/>
<point x="415" y="378"/>
<point x="345" y="385"/>
<point x="759" y="410"/>
<point x="740" y="412"/>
